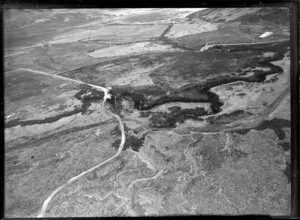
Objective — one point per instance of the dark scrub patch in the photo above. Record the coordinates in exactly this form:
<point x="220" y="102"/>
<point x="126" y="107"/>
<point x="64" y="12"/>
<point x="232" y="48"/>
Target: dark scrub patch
<point x="189" y="94"/>
<point x="134" y="142"/>
<point x="134" y="138"/>
<point x="149" y="97"/>
<point x="275" y="124"/>
<point x="115" y="104"/>
<point x="228" y="117"/>
<point x="237" y="155"/>
<point x="163" y="119"/>
<point x="167" y="30"/>
<point x="86" y="95"/>
<point x="116" y="143"/>
<point x="260" y="47"/>
<point x="144" y="114"/>
<point x="51" y="119"/>
<point x="241" y="131"/>
<point x="116" y="132"/>
<point x="285" y="145"/>
<point x="138" y="96"/>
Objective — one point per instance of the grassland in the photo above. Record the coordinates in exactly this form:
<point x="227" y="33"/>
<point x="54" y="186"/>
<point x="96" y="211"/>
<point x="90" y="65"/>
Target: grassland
<point x="207" y="132"/>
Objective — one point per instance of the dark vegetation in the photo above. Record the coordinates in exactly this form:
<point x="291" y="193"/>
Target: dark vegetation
<point x="134" y="139"/>
<point x="87" y="95"/>
<point x="148" y="97"/>
<point x="162" y="119"/>
<point x="145" y="114"/>
<point x="275" y="124"/>
<point x="285" y="145"/>
<point x="16" y="122"/>
<point x="228" y="117"/>
<point x="166" y="31"/>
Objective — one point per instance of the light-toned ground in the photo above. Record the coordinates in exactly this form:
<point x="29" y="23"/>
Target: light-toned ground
<point x="111" y="34"/>
<point x="132" y="49"/>
<point x="179" y="30"/>
<point x="136" y="77"/>
<point x="253" y="96"/>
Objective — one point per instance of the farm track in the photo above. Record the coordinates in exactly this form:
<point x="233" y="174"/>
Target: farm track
<point x="167" y="30"/>
<point x="57" y="75"/>
<point x="49" y="198"/>
<point x="123" y="137"/>
<point x="121" y="146"/>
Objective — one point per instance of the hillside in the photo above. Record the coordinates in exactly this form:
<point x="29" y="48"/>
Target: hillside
<point x="233" y="25"/>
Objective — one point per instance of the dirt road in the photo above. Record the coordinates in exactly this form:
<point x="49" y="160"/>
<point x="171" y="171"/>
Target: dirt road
<point x="107" y="95"/>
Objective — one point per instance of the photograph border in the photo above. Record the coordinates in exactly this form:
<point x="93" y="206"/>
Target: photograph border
<point x="293" y="6"/>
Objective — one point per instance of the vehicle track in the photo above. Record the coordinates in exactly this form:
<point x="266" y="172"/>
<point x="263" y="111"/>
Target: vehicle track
<point x="49" y="198"/>
<point x="107" y="95"/>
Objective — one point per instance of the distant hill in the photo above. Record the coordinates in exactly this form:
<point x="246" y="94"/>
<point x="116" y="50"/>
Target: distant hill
<point x="279" y="16"/>
<point x="235" y="25"/>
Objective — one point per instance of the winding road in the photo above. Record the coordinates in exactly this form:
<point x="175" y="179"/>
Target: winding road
<point x="47" y="201"/>
<point x="107" y="95"/>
